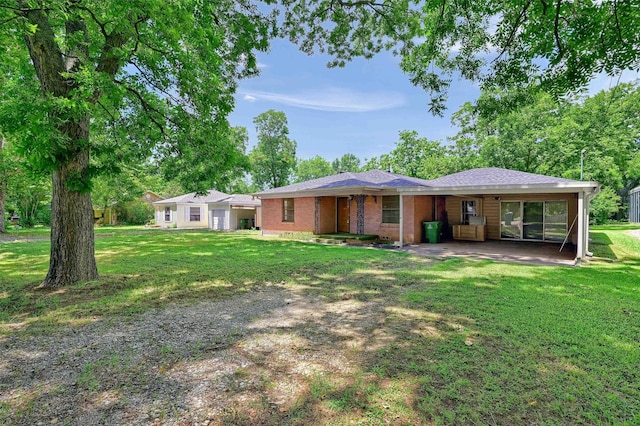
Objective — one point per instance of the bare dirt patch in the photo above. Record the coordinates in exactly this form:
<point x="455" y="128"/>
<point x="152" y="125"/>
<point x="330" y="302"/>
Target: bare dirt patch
<point x="249" y="359"/>
<point x="635" y="233"/>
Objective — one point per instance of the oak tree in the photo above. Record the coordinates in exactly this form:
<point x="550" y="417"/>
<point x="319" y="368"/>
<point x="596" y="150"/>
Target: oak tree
<point x="159" y="75"/>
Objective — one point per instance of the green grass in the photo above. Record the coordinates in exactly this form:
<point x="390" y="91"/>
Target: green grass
<point x="470" y="342"/>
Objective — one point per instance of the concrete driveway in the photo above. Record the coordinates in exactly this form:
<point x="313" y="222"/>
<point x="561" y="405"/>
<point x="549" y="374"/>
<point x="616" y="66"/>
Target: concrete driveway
<point x="505" y="251"/>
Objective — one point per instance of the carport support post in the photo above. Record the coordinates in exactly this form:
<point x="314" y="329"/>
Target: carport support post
<point x="580" y="248"/>
<point x="401" y="222"/>
<point x="587" y="206"/>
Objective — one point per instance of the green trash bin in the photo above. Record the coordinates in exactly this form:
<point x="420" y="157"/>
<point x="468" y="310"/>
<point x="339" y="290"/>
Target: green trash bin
<point x="432" y="231"/>
<point x="244" y="223"/>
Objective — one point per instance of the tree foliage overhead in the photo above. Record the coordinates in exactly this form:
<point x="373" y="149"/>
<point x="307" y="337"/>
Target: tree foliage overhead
<point x="158" y="77"/>
<point x="130" y="67"/>
<point x="557" y="46"/>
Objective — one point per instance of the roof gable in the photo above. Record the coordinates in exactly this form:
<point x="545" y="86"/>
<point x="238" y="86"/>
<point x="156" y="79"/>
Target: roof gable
<point x="211" y="196"/>
<point x="371" y="179"/>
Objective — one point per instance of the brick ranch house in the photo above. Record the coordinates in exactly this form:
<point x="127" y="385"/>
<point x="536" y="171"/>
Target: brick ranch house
<point x="478" y="204"/>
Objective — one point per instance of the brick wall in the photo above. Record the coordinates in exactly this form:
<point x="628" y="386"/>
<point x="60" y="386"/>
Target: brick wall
<point x="327" y="215"/>
<point x="303" y="215"/>
<point x="416" y="209"/>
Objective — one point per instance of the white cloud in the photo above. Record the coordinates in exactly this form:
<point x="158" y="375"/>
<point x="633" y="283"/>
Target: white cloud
<point x="261" y="65"/>
<point x="335" y="99"/>
<point x="249" y="98"/>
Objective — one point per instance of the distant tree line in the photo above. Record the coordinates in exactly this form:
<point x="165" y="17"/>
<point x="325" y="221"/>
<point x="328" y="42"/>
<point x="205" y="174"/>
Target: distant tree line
<point x="545" y="137"/>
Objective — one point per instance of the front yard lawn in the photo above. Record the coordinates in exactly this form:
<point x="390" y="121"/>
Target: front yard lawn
<point x="456" y="341"/>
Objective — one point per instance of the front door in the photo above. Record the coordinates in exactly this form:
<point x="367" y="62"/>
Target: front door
<point x="343" y="214"/>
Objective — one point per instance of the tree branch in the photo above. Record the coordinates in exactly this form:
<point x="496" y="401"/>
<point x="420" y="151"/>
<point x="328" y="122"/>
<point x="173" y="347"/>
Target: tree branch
<point x="6" y="21"/>
<point x="514" y="29"/>
<point x="152" y="84"/>
<point x="94" y="18"/>
<point x="544" y="7"/>
<point x="556" y="30"/>
<point x="615" y="14"/>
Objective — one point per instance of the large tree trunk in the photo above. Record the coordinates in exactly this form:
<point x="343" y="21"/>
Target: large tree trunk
<point x="3" y="190"/>
<point x="72" y="241"/>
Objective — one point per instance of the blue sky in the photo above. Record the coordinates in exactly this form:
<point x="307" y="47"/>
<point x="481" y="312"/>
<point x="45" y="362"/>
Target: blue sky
<point x="358" y="109"/>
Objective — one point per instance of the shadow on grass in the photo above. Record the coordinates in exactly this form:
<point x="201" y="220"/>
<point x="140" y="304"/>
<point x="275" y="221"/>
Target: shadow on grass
<point x="601" y="245"/>
<point x="353" y="335"/>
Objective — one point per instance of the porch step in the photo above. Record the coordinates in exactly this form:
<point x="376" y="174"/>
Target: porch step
<point x="346" y="238"/>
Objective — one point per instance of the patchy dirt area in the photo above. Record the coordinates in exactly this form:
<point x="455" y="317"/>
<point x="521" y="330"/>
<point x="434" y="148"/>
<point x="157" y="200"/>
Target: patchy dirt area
<point x="246" y="360"/>
<point x="635" y="233"/>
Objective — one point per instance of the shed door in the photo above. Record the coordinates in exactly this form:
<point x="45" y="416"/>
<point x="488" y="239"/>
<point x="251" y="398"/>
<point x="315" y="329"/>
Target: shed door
<point x="343" y="214"/>
<point x="218" y="219"/>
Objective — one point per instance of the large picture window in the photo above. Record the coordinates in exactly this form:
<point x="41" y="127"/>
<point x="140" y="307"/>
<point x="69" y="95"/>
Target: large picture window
<point x="287" y="210"/>
<point x="194" y="214"/>
<point x="390" y="209"/>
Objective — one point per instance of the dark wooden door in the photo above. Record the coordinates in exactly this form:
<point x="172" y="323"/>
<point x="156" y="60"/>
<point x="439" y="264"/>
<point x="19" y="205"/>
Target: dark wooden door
<point x="343" y="214"/>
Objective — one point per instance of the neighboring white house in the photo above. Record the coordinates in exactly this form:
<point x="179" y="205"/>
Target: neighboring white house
<point x="634" y="205"/>
<point x="215" y="210"/>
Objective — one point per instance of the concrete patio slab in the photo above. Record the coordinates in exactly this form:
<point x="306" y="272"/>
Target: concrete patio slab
<point x="504" y="251"/>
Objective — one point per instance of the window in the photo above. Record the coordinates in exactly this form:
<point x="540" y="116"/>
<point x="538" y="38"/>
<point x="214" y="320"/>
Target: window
<point x="390" y="209"/>
<point x="167" y="214"/>
<point x="469" y="208"/>
<point x="194" y="214"/>
<point x="533" y="220"/>
<point x="287" y="210"/>
<point x="555" y="220"/>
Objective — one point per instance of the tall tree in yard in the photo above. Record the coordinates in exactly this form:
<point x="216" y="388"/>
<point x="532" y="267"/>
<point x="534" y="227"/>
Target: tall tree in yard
<point x="274" y="157"/>
<point x="312" y="168"/>
<point x="347" y="163"/>
<point x="133" y="68"/>
<point x="3" y="185"/>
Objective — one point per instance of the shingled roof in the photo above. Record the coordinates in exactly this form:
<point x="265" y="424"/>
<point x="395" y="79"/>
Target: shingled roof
<point x="377" y="179"/>
<point x="212" y="196"/>
<point x="494" y="176"/>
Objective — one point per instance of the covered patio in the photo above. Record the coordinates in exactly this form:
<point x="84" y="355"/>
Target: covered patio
<point x="499" y="250"/>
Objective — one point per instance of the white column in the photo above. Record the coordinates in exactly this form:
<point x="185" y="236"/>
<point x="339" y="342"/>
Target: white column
<point x="401" y="221"/>
<point x="587" y="203"/>
<point x="580" y="231"/>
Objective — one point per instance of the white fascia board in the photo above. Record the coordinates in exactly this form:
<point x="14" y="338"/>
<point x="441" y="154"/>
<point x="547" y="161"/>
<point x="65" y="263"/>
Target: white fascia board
<point x="501" y="189"/>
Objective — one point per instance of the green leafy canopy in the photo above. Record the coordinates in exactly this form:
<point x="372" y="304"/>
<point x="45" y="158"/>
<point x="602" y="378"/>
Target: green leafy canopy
<point x="149" y="86"/>
<point x="519" y="45"/>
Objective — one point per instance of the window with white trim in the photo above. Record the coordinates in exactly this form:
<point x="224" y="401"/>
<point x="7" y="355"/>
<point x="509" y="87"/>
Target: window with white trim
<point x="390" y="209"/>
<point x="167" y="214"/>
<point x="194" y="214"/>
